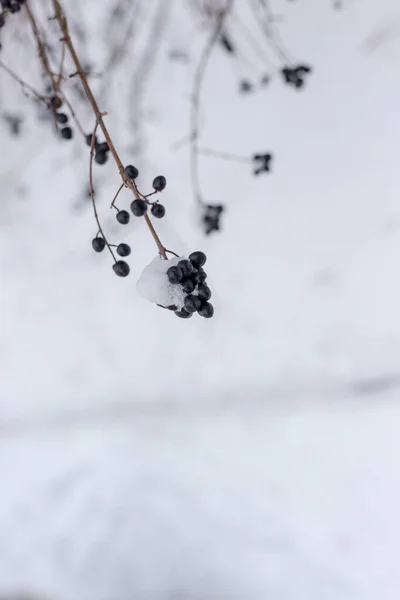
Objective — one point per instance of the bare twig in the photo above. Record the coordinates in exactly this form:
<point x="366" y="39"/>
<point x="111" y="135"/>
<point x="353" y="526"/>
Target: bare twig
<point x="63" y="24"/>
<point x="25" y="86"/>
<point x="91" y="189"/>
<point x="41" y="48"/>
<point x="224" y="155"/>
<point x="197" y="86"/>
<point x="119" y="189"/>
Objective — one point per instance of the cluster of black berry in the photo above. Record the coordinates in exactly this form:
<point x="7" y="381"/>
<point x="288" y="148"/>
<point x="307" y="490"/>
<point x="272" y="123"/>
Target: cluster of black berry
<point x="261" y="163"/>
<point x="61" y="118"/>
<point x="139" y="206"/>
<point x="191" y="276"/>
<point x="295" y="76"/>
<point x="211" y="217"/>
<point x="120" y="267"/>
<point x="101" y="149"/>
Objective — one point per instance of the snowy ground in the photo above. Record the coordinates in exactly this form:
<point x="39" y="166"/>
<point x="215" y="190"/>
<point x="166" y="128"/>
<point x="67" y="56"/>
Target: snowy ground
<point x="254" y="455"/>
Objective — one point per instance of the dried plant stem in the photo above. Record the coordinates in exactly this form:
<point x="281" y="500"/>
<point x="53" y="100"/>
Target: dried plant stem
<point x="117" y="194"/>
<point x="91" y="189"/>
<point x="23" y="84"/>
<point x="41" y="47"/>
<point x="195" y="107"/>
<point x="224" y="155"/>
<point x="62" y="21"/>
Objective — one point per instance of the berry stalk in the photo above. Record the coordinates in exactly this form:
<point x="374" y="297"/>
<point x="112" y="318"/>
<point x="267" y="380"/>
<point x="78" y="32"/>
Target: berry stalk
<point x="63" y="24"/>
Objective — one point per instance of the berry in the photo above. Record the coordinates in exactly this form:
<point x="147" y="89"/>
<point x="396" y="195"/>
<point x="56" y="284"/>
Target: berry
<point x="101" y="158"/>
<point x="121" y="268"/>
<point x="183" y="314"/>
<point x="66" y="133"/>
<point x="192" y="303"/>
<point x="158" y="211"/>
<point x="102" y="147"/>
<point x="198" y="259"/>
<point x="138" y="207"/>
<point x="56" y="102"/>
<point x="125" y="250"/>
<point x="188" y="286"/>
<point x="159" y="183"/>
<point x="98" y="244"/>
<point x="203" y="292"/>
<point x="131" y="172"/>
<point x="89" y="139"/>
<point x="123" y="217"/>
<point x="206" y="310"/>
<point x="174" y="275"/>
<point x="14" y="8"/>
<point x="2" y="21"/>
<point x="186" y="267"/>
<point x="61" y="118"/>
<point x="200" y="276"/>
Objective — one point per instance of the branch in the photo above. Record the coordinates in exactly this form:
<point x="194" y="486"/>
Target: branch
<point x="197" y="87"/>
<point x="63" y="24"/>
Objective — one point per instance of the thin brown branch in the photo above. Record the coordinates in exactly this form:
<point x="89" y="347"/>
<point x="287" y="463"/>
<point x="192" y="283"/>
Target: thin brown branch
<point x="41" y="48"/>
<point x="119" y="189"/>
<point x="196" y="97"/>
<point x="62" y="21"/>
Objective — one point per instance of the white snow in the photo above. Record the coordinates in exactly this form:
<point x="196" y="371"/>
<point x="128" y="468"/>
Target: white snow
<point x="252" y="456"/>
<point x="153" y="284"/>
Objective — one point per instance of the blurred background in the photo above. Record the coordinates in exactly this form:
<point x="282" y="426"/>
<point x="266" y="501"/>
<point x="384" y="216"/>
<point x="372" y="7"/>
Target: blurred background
<point x="254" y="455"/>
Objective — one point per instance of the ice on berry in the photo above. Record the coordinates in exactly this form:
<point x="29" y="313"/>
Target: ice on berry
<point x="153" y="284"/>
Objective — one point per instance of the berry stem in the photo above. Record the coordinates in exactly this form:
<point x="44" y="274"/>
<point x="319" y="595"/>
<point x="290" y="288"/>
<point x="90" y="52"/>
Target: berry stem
<point x="63" y="24"/>
<point x="195" y="109"/>
<point x="96" y="216"/>
<point x="116" y="195"/>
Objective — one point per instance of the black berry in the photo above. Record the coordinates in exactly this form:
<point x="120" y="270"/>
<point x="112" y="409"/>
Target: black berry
<point x="158" y="211"/>
<point x="198" y="259"/>
<point x="89" y="139"/>
<point x="61" y="118"/>
<point x="174" y="275"/>
<point x="131" y="172"/>
<point x="206" y="310"/>
<point x="192" y="303"/>
<point x="102" y="147"/>
<point x="200" y="276"/>
<point x="188" y="286"/>
<point x="203" y="292"/>
<point x="56" y="102"/>
<point x="98" y="244"/>
<point x="186" y="267"/>
<point x="121" y="268"/>
<point x="123" y="217"/>
<point x="101" y="158"/>
<point x="138" y="207"/>
<point x="123" y="249"/>
<point x="183" y="314"/>
<point x="14" y="8"/>
<point x="159" y="183"/>
<point x="66" y="133"/>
